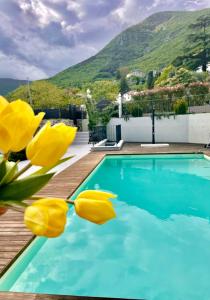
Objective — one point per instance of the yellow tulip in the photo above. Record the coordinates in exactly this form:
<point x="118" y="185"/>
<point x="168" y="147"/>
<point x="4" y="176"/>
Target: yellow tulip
<point x="97" y="209"/>
<point x="3" y="103"/>
<point x="50" y="144"/>
<point x="46" y="217"/>
<point x="17" y="125"/>
<point x="97" y="195"/>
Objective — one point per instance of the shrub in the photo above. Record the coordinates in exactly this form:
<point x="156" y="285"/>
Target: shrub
<point x="180" y="107"/>
<point x="134" y="109"/>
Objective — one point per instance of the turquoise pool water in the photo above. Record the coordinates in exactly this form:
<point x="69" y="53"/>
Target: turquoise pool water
<point x="158" y="248"/>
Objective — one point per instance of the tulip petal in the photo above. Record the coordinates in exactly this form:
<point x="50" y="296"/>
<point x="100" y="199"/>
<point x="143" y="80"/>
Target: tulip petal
<point x="50" y="144"/>
<point x="3" y="103"/>
<point x="36" y="219"/>
<point x="36" y="121"/>
<point x="96" y="211"/>
<point x="19" y="120"/>
<point x="52" y="201"/>
<point x="20" y="107"/>
<point x="47" y="217"/>
<point x="68" y="131"/>
<point x="5" y="138"/>
<point x="22" y="135"/>
<point x="95" y="194"/>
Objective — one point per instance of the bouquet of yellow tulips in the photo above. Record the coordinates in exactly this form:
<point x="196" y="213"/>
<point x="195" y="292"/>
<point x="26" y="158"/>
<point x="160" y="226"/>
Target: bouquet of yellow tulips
<point x="45" y="148"/>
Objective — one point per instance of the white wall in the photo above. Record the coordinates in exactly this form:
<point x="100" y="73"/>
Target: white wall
<point x="173" y="129"/>
<point x="193" y="128"/>
<point x="199" y="129"/>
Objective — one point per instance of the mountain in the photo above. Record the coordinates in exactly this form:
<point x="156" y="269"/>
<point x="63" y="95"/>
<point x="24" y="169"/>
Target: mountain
<point x="149" y="45"/>
<point x="7" y="85"/>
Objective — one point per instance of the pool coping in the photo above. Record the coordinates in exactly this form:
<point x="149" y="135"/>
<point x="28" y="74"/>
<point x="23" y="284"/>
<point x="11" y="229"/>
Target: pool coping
<point x="97" y="158"/>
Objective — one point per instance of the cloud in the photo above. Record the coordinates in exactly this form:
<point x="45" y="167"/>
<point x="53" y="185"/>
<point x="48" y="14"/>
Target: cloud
<point x="39" y="38"/>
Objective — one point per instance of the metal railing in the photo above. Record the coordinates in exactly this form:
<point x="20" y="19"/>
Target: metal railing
<point x="165" y="105"/>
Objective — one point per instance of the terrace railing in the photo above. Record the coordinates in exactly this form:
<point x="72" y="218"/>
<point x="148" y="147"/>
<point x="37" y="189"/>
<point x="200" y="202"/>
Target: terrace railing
<point x="165" y="105"/>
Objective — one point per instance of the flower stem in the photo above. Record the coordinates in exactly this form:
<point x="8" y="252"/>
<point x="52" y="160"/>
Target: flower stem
<point x="14" y="208"/>
<point x="70" y="202"/>
<point x="6" y="155"/>
<point x="23" y="170"/>
<point x="36" y="197"/>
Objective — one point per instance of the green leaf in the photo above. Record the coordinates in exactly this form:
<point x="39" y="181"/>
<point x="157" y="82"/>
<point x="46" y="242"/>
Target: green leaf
<point x="11" y="170"/>
<point x="3" y="169"/>
<point x="16" y="203"/>
<point x="44" y="170"/>
<point x="24" y="188"/>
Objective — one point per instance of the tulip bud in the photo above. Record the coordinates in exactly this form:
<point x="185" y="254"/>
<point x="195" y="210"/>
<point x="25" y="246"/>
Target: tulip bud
<point x="97" y="209"/>
<point x="3" y="103"/>
<point x="50" y="144"/>
<point x="46" y="217"/>
<point x="17" y="125"/>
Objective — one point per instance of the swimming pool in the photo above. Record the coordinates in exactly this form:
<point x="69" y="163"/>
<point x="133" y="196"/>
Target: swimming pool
<point x="158" y="248"/>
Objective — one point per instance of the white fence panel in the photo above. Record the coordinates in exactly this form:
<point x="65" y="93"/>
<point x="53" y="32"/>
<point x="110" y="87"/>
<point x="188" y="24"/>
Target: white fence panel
<point x="192" y="128"/>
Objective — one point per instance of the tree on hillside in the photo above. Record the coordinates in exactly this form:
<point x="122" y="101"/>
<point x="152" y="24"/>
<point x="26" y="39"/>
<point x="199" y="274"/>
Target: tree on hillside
<point x="75" y="96"/>
<point x="124" y="87"/>
<point x="167" y="73"/>
<point x="103" y="89"/>
<point x="122" y="72"/>
<point x="150" y="80"/>
<point x="172" y="76"/>
<point x="197" y="52"/>
<point x="43" y="95"/>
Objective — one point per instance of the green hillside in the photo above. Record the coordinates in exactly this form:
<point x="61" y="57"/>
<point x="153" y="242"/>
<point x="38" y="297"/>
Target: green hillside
<point x="149" y="45"/>
<point x="7" y="85"/>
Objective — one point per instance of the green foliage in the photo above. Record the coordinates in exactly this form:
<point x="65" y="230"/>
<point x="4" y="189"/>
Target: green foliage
<point x="11" y="170"/>
<point x="196" y="93"/>
<point x="43" y="94"/>
<point x="150" y="45"/>
<point x="75" y="96"/>
<point x="180" y="107"/>
<point x="124" y="88"/>
<point x="17" y="189"/>
<point x="103" y="89"/>
<point x="44" y="170"/>
<point x="172" y="76"/>
<point x="93" y="116"/>
<point x="133" y="109"/>
<point x="98" y="116"/>
<point x="106" y="114"/>
<point x="166" y="74"/>
<point x="199" y="88"/>
<point x="150" y="80"/>
<point x="199" y="40"/>
<point x="122" y="72"/>
<point x="7" y="85"/>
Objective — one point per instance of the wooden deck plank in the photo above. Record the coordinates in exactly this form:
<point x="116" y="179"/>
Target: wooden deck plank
<point x="14" y="236"/>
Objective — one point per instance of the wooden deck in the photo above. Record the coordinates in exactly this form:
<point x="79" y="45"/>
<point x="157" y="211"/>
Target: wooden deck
<point x="14" y="237"/>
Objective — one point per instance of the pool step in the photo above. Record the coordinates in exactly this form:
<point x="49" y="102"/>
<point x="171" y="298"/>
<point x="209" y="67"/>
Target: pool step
<point x="82" y="138"/>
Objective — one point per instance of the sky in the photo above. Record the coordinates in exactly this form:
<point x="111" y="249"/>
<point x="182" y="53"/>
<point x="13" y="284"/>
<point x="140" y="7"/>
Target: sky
<point x="39" y="38"/>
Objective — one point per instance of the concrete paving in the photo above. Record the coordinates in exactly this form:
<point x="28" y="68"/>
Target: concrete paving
<point x="77" y="151"/>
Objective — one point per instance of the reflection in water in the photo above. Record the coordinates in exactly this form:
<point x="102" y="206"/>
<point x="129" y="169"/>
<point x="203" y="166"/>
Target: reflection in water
<point x="157" y="248"/>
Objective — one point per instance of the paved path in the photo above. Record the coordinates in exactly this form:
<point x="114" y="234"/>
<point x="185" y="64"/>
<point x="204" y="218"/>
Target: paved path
<point x="77" y="151"/>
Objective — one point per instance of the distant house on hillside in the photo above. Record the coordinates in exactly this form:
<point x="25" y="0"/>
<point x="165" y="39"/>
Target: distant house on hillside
<point x="135" y="73"/>
<point x="127" y="97"/>
<point x="199" y="69"/>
